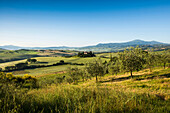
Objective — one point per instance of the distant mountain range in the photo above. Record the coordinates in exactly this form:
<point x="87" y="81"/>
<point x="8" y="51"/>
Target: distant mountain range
<point x="99" y="47"/>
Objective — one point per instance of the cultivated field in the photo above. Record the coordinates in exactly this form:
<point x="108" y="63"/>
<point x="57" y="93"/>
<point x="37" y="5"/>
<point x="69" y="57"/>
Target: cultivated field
<point x="49" y="60"/>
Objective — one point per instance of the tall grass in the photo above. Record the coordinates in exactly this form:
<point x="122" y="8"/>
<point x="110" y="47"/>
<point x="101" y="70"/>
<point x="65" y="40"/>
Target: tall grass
<point x="69" y="99"/>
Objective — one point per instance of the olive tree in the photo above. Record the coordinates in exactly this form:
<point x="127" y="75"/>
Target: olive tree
<point x="96" y="69"/>
<point x="115" y="67"/>
<point x="165" y="58"/>
<point x="151" y="60"/>
<point x="132" y="60"/>
<point x="74" y="73"/>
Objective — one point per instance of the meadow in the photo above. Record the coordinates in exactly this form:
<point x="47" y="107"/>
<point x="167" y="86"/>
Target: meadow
<point x="57" y="90"/>
<point x="10" y="55"/>
<point x="15" y="55"/>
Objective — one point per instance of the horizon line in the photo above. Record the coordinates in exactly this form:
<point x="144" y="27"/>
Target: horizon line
<point x="89" y="45"/>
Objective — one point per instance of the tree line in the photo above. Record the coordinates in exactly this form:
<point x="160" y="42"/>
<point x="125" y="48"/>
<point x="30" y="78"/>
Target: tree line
<point x="25" y="65"/>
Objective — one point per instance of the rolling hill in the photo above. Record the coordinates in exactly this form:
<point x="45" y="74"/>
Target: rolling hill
<point x="101" y="47"/>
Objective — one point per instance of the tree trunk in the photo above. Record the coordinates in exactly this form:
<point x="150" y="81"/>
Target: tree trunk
<point x="96" y="79"/>
<point x="150" y="69"/>
<point x="164" y="65"/>
<point x="131" y="74"/>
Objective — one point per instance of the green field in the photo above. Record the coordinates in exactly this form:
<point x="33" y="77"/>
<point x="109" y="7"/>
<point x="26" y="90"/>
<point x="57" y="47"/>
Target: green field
<point x="15" y="55"/>
<point x="49" y="60"/>
<point x="7" y="54"/>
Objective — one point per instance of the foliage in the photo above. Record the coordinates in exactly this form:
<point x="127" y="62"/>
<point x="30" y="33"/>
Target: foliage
<point x="32" y="60"/>
<point x="151" y="60"/>
<point x="10" y="68"/>
<point x="21" y="65"/>
<point x="113" y="59"/>
<point x="74" y="73"/>
<point x="164" y="58"/>
<point x="115" y="67"/>
<point x="24" y="81"/>
<point x="62" y="61"/>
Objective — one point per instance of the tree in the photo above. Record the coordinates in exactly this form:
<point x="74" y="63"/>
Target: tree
<point x="132" y="60"/>
<point x="62" y="61"/>
<point x="115" y="67"/>
<point x="83" y="74"/>
<point x="113" y="59"/>
<point x="165" y="58"/>
<point x="150" y="59"/>
<point x="10" y="68"/>
<point x="1" y="60"/>
<point x="74" y="73"/>
<point x="31" y="60"/>
<point x="0" y="69"/>
<point x="96" y="69"/>
<point x="21" y="65"/>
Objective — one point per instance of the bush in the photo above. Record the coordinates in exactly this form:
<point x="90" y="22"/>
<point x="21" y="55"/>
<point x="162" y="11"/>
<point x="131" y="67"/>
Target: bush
<point x="31" y="60"/>
<point x="62" y="61"/>
<point x="19" y="80"/>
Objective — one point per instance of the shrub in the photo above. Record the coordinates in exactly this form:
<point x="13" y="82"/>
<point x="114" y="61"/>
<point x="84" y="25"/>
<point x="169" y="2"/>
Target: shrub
<point x="62" y="61"/>
<point x="19" y="80"/>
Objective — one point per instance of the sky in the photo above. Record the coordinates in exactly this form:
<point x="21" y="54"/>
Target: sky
<point x="77" y="23"/>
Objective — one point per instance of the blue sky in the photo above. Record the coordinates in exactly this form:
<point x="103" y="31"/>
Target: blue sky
<point x="82" y="22"/>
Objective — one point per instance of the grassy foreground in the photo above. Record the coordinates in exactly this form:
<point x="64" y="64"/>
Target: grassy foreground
<point x="146" y="92"/>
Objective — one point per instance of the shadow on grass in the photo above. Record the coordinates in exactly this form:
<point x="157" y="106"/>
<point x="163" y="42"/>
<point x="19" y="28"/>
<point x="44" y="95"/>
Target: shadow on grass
<point x="42" y="62"/>
<point x="116" y="79"/>
<point x="139" y="77"/>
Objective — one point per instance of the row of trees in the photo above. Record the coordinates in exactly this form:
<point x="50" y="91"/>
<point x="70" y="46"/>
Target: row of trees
<point x="19" y="66"/>
<point x="31" y="60"/>
<point x="16" y="67"/>
<point x="133" y="59"/>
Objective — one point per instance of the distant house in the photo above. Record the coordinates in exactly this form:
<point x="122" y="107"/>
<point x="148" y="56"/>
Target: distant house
<point x="85" y="53"/>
